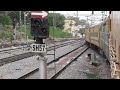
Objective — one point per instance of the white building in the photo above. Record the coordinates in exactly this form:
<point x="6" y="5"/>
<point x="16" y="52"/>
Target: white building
<point x="69" y="26"/>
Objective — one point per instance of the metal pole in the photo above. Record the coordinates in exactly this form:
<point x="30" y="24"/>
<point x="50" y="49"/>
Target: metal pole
<point x="14" y="29"/>
<point x="20" y="18"/>
<point x="42" y="61"/>
<point x="54" y="20"/>
<point x="27" y="40"/>
<point x="77" y="14"/>
<point x="14" y="33"/>
<point x="54" y="27"/>
<point x="43" y="67"/>
<point x="87" y="18"/>
<point x="24" y="18"/>
<point x="25" y="25"/>
<point x="77" y="25"/>
<point x="102" y="15"/>
<point x="20" y="23"/>
<point x="92" y="20"/>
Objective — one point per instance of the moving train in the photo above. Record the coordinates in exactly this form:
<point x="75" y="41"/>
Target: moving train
<point x="105" y="37"/>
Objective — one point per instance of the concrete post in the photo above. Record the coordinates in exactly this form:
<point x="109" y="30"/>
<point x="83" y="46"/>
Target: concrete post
<point x="43" y="67"/>
<point x="42" y="61"/>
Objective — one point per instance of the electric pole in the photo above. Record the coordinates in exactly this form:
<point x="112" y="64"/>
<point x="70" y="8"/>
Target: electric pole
<point x="20" y="18"/>
<point x="14" y="28"/>
<point x="54" y="28"/>
<point x="92" y="12"/>
<point x="77" y="14"/>
<point x="54" y="20"/>
<point x="77" y="24"/>
<point x="92" y="21"/>
<point x="25" y="15"/>
<point x="103" y="15"/>
<point x="20" y="21"/>
<point x="87" y="18"/>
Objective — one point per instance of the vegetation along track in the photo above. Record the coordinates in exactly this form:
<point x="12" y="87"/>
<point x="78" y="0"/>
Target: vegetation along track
<point x="30" y="54"/>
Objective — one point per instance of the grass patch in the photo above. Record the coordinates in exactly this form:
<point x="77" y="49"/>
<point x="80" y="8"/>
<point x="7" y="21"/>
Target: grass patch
<point x="26" y="31"/>
<point x="58" y="33"/>
<point x="7" y="32"/>
<point x="92" y="76"/>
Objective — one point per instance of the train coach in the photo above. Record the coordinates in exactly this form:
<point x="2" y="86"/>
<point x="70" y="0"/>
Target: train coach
<point x="106" y="39"/>
<point x="98" y="37"/>
<point x="114" y="44"/>
<point x="87" y="35"/>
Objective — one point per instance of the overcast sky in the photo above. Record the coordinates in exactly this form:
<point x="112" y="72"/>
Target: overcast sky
<point x="82" y="14"/>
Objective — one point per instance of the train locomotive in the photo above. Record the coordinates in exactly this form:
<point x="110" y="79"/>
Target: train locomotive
<point x="106" y="39"/>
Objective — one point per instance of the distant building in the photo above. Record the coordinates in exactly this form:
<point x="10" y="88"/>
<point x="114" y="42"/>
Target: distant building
<point x="69" y="26"/>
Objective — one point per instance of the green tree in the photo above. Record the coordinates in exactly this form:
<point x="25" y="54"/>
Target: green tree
<point x="5" y="20"/>
<point x="59" y="19"/>
<point x="83" y="23"/>
<point x="15" y="14"/>
<point x="82" y="31"/>
<point x="76" y="19"/>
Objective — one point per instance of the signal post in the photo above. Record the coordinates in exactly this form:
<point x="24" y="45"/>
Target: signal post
<point x="40" y="31"/>
<point x="42" y="61"/>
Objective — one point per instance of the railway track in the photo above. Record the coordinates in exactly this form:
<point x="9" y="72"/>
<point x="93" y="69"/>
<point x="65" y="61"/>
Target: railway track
<point x="73" y="55"/>
<point x="30" y="54"/>
<point x="7" y="50"/>
<point x="66" y="62"/>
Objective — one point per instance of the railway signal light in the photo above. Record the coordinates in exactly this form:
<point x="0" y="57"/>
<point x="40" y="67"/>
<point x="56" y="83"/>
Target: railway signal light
<point x="39" y="24"/>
